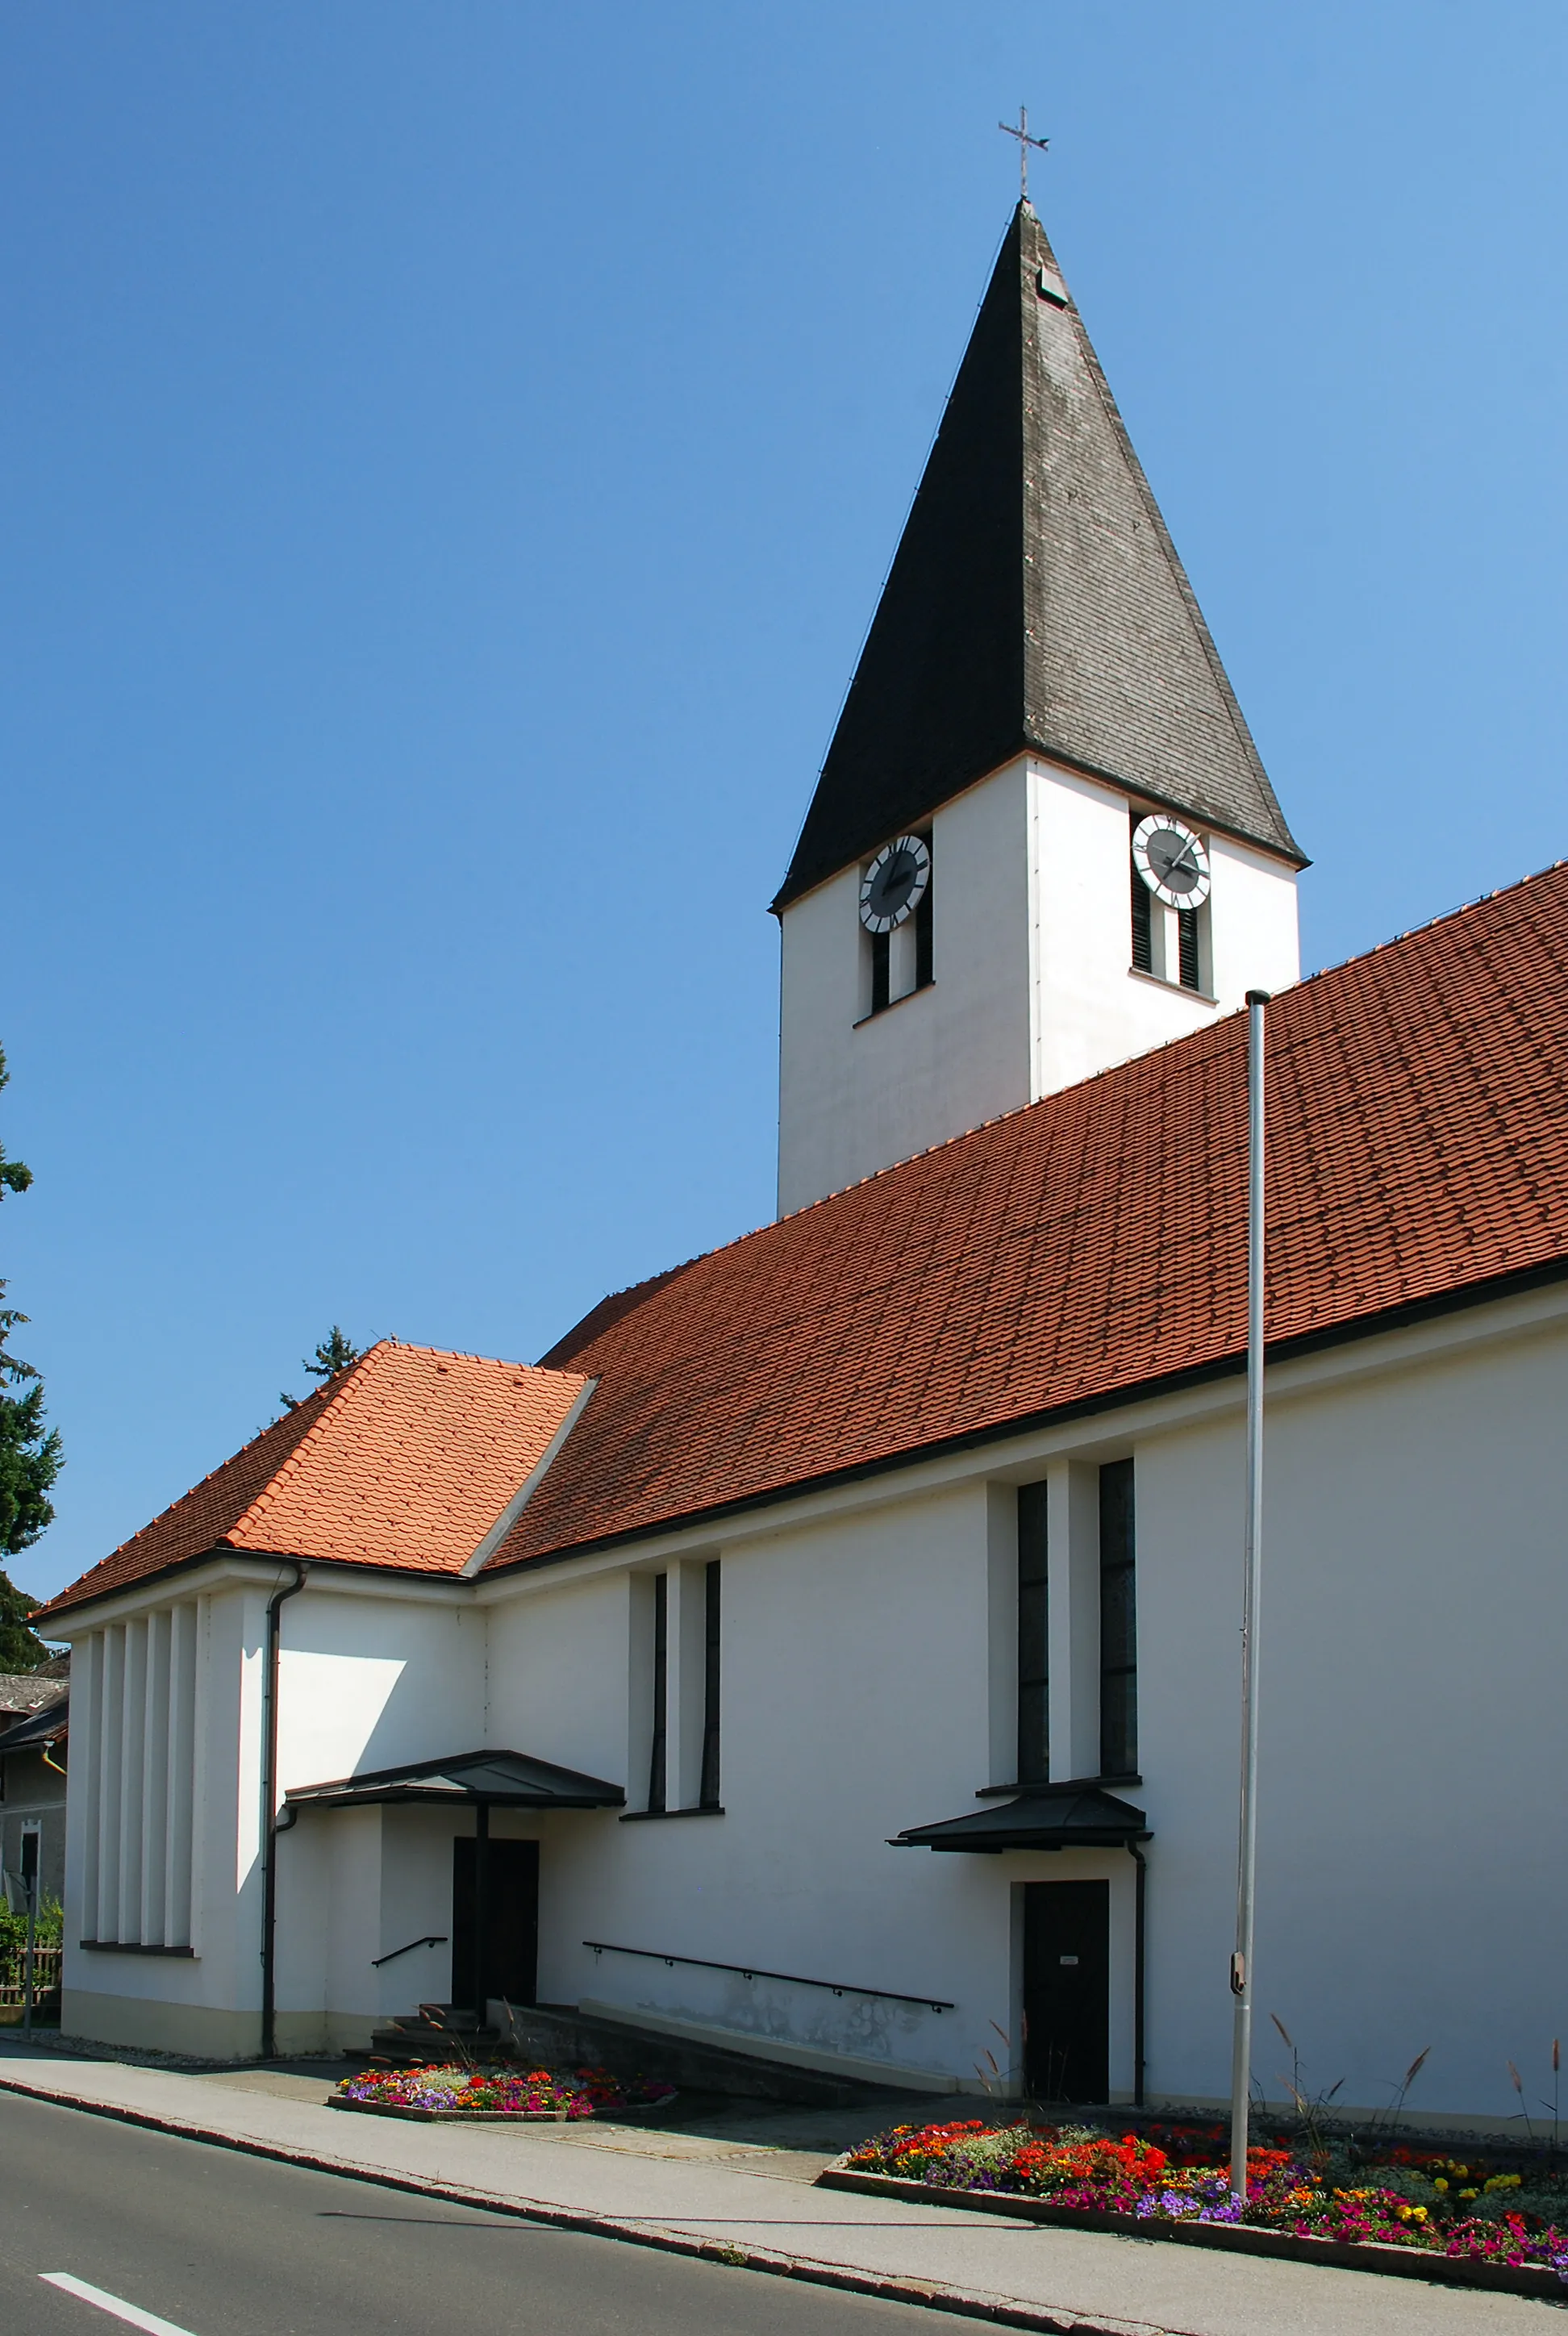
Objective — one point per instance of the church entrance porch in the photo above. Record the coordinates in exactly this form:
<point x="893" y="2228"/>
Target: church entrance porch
<point x="439" y="1899"/>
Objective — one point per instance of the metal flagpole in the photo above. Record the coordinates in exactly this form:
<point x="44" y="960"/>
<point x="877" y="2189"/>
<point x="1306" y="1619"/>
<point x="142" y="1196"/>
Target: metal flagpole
<point x="1247" y="1851"/>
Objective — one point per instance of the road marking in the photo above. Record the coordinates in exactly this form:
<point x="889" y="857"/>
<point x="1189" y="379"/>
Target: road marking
<point x="107" y="2303"/>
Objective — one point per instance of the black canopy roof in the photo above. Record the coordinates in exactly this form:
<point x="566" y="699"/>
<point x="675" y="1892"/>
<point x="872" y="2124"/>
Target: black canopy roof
<point x="507" y="1780"/>
<point x="1066" y="1816"/>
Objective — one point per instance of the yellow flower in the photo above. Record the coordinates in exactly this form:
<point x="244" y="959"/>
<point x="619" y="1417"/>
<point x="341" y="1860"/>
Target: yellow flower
<point x="1438" y="2182"/>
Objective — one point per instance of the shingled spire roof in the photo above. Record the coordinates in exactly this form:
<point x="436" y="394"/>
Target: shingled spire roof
<point x="1036" y="601"/>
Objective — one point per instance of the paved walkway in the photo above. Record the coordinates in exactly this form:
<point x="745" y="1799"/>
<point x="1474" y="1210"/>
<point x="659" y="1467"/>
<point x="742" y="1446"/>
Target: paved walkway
<point x="716" y="2189"/>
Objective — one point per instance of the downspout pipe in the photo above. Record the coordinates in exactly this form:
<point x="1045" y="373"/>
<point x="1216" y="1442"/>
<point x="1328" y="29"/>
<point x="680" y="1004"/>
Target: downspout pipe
<point x="272" y="1823"/>
<point x="1141" y="1889"/>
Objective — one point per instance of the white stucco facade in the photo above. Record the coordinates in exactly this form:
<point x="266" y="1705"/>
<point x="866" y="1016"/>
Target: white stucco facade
<point x="1412" y="1887"/>
<point x="1033" y="987"/>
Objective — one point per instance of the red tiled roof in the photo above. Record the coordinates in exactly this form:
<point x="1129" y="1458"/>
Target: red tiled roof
<point x="1088" y="1246"/>
<point x="1095" y="1242"/>
<point x="407" y="1459"/>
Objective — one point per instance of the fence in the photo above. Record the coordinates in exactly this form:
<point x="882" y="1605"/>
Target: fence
<point x="45" y="1980"/>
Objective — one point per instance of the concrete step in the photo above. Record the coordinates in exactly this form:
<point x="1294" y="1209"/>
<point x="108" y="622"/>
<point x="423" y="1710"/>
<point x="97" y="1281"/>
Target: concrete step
<point x="410" y="2041"/>
<point x="558" y="2035"/>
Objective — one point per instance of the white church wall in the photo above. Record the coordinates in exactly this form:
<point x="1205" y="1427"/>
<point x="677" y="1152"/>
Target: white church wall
<point x="1090" y="1009"/>
<point x="1033" y="987"/>
<point x="206" y="1999"/>
<point x="855" y="1701"/>
<point x="557" y="1666"/>
<point x="367" y="1681"/>
<point x="858" y="1094"/>
<point x="1412" y="1885"/>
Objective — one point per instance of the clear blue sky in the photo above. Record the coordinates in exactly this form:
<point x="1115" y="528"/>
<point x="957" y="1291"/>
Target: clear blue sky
<point x="451" y="453"/>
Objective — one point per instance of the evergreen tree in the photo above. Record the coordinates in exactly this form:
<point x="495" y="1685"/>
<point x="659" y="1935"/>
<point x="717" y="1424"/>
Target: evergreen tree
<point x="30" y="1459"/>
<point x="333" y="1354"/>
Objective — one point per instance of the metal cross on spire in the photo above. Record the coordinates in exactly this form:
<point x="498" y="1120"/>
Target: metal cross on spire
<point x="1025" y="141"/>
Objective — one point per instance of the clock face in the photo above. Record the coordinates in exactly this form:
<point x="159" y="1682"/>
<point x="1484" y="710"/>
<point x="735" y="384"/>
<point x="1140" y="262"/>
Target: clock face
<point x="894" y="885"/>
<point x="1172" y="862"/>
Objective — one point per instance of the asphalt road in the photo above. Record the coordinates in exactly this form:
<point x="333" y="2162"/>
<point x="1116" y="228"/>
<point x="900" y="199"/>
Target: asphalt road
<point x="217" y="2243"/>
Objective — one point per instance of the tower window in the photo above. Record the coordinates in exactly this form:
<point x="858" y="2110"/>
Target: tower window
<point x="1144" y="905"/>
<point x="1187" y="946"/>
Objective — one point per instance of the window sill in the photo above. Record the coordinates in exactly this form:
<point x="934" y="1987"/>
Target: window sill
<point x="1158" y="982"/>
<point x="132" y="1947"/>
<point x="878" y="1011"/>
<point x="1055" y="1789"/>
<point x="657" y="1816"/>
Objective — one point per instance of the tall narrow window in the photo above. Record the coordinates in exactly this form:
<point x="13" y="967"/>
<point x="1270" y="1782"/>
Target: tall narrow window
<point x="1187" y="947"/>
<point x="708" y="1794"/>
<point x="1034" y="1618"/>
<point x="1118" y="1623"/>
<point x="658" y="1762"/>
<point x="1142" y="925"/>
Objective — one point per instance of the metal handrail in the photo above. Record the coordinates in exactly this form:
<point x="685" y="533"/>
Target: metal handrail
<point x="431" y="1939"/>
<point x="752" y="1971"/>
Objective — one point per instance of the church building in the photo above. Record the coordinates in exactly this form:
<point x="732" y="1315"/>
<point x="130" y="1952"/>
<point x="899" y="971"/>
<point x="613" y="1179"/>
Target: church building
<point x="829" y="1650"/>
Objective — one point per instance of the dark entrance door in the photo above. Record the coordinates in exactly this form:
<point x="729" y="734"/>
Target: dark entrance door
<point x="509" y="1965"/>
<point x="1066" y="1990"/>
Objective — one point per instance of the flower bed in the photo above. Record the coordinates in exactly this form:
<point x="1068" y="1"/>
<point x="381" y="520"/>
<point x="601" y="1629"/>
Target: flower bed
<point x="498" y="2094"/>
<point x="1174" y="2182"/>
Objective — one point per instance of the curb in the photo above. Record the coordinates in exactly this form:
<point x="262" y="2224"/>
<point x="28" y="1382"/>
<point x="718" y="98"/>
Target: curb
<point x="930" y="2295"/>
<point x="1537" y="2281"/>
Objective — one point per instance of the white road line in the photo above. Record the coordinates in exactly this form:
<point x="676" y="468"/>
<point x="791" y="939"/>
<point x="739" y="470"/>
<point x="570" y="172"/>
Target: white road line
<point x="107" y="2303"/>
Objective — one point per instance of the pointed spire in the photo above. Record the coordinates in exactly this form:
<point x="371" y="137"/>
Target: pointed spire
<point x="1036" y="601"/>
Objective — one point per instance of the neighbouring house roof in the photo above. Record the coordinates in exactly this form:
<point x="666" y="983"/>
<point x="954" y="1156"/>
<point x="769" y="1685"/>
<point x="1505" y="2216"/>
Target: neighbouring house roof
<point x="26" y="1691"/>
<point x="407" y="1459"/>
<point x="45" y="1726"/>
<point x="1036" y="600"/>
<point x="508" y="1780"/>
<point x="1082" y="1252"/>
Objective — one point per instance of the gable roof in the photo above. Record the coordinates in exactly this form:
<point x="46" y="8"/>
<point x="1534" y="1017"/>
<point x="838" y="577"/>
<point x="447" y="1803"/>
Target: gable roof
<point x="1085" y="1251"/>
<point x="407" y="1459"/>
<point x="1036" y="600"/>
<point x="1093" y="1244"/>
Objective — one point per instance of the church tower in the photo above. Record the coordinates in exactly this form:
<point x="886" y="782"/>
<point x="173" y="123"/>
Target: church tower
<point x="1042" y="840"/>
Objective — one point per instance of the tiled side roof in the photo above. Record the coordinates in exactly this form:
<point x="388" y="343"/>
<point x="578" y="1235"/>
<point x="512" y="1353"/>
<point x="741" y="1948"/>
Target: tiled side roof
<point x="1095" y="1241"/>
<point x="407" y="1459"/>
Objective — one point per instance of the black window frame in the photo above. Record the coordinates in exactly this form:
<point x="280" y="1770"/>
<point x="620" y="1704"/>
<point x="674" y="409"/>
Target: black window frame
<point x="1034" y="1651"/>
<point x="708" y="1788"/>
<point x="658" y="1750"/>
<point x="1118" y="1620"/>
